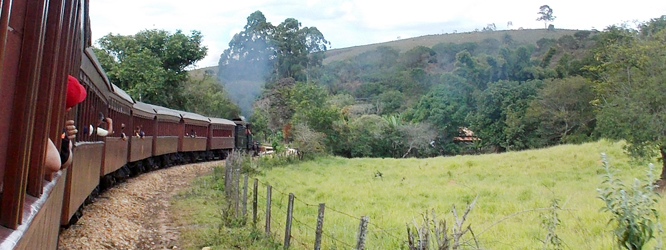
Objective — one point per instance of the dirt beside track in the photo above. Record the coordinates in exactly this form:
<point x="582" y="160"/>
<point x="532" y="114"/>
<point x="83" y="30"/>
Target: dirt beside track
<point x="135" y="214"/>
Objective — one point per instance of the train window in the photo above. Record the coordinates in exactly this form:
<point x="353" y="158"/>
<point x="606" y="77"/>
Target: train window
<point x="168" y="128"/>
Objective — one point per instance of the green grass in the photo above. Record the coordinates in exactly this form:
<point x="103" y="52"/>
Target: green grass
<point x="509" y="187"/>
<point x="198" y="211"/>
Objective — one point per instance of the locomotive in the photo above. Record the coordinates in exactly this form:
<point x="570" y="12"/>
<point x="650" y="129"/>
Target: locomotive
<point x="41" y="42"/>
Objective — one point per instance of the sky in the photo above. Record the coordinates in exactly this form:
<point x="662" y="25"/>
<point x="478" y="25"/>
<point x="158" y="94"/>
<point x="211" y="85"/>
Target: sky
<point x="347" y="23"/>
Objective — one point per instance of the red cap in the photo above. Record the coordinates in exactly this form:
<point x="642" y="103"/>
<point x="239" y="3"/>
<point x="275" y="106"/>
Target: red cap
<point x="75" y="92"/>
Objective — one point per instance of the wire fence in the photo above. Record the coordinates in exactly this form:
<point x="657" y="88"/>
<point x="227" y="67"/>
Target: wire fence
<point x="310" y="227"/>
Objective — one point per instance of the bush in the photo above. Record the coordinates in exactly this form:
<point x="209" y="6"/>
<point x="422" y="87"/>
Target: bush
<point x="634" y="215"/>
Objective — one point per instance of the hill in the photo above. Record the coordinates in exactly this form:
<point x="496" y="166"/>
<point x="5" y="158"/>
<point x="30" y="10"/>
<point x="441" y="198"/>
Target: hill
<point x="520" y="36"/>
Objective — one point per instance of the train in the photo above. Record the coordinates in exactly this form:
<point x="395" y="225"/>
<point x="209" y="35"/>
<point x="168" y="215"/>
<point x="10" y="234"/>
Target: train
<point x="42" y="42"/>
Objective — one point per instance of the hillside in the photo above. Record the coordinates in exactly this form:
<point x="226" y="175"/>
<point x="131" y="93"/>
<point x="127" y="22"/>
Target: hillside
<point x="520" y="36"/>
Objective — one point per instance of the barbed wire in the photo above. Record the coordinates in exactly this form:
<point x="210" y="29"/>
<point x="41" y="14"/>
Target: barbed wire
<point x="299" y="242"/>
<point x="381" y="229"/>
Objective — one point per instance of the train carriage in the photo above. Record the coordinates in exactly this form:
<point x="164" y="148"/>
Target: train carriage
<point x="83" y="175"/>
<point x="168" y="126"/>
<point x="221" y="137"/>
<point x="117" y="141"/>
<point x="145" y="125"/>
<point x="194" y="134"/>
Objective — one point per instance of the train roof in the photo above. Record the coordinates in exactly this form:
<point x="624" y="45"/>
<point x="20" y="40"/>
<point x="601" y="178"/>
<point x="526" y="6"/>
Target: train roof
<point x="240" y="120"/>
<point x="221" y="121"/>
<point x="190" y="117"/>
<point x="165" y="114"/>
<point x="143" y="110"/>
<point x="122" y="95"/>
<point x="94" y="77"/>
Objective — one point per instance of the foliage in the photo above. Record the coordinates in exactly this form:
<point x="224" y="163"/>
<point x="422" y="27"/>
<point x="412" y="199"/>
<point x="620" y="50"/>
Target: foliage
<point x="150" y="65"/>
<point x="298" y="49"/>
<point x="631" y="94"/>
<point x="249" y="54"/>
<point x="212" y="99"/>
<point x="550" y="221"/>
<point x="309" y="143"/>
<point x="564" y="110"/>
<point x="634" y="216"/>
<point x="500" y="109"/>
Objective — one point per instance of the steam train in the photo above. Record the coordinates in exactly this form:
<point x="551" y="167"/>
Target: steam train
<point x="41" y="42"/>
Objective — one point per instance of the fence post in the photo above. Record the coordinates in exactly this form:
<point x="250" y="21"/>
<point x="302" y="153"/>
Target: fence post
<point x="320" y="226"/>
<point x="362" y="228"/>
<point x="254" y="202"/>
<point x="237" y="192"/>
<point x="268" y="210"/>
<point x="287" y="229"/>
<point x="245" y="196"/>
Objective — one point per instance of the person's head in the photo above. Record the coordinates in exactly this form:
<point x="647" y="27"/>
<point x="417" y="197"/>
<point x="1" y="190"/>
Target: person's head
<point x="76" y="93"/>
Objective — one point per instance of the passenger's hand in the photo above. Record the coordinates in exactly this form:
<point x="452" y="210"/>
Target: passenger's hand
<point x="70" y="129"/>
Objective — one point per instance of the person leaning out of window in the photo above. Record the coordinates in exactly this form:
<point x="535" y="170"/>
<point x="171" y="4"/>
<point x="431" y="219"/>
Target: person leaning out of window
<point x="55" y="160"/>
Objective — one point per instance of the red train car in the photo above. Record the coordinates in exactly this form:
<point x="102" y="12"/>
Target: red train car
<point x="194" y="135"/>
<point x="83" y="175"/>
<point x="144" y="122"/>
<point x="117" y="141"/>
<point x="40" y="44"/>
<point x="165" y="144"/>
<point x="221" y="137"/>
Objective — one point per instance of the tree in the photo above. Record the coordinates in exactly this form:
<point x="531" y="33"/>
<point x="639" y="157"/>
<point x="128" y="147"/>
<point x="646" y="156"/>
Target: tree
<point x="546" y="15"/>
<point x="151" y="64"/>
<point x="499" y="116"/>
<point x="250" y="52"/>
<point x="248" y="61"/>
<point x="632" y="104"/>
<point x="298" y="50"/>
<point x="563" y="109"/>
<point x="212" y="99"/>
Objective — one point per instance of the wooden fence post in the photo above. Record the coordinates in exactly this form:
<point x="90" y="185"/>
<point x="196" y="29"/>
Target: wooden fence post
<point x="362" y="228"/>
<point x="254" y="202"/>
<point x="237" y="192"/>
<point x="245" y="196"/>
<point x="320" y="226"/>
<point x="268" y="210"/>
<point x="287" y="229"/>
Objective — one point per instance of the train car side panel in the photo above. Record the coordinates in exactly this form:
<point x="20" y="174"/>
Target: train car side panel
<point x="194" y="144"/>
<point x="82" y="177"/>
<point x="141" y="148"/>
<point x="166" y="145"/>
<point x="115" y="154"/>
<point x="44" y="229"/>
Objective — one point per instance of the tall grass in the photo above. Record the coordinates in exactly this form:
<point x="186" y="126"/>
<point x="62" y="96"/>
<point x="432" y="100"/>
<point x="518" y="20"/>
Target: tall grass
<point x="514" y="191"/>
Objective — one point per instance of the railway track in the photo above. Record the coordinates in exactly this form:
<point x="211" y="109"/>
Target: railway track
<point x="134" y="214"/>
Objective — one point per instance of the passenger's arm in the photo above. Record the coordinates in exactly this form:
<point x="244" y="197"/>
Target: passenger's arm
<point x="52" y="162"/>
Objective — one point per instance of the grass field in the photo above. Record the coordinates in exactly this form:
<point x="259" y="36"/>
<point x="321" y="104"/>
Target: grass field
<point x="511" y="187"/>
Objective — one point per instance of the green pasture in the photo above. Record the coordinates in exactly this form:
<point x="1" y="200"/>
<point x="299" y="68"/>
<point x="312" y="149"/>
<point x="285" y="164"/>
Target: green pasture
<point x="512" y="189"/>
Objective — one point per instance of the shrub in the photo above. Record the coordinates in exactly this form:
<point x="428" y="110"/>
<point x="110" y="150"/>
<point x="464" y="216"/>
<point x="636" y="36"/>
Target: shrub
<point x="634" y="215"/>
